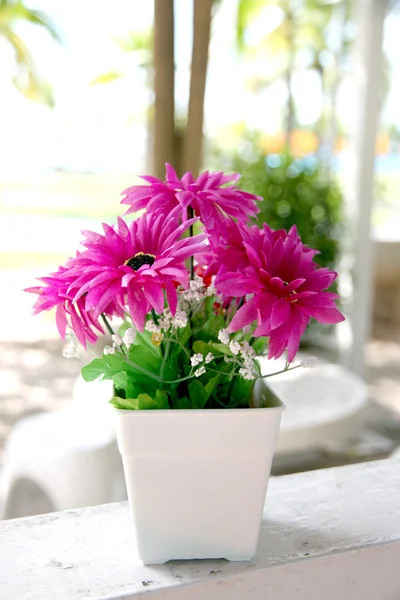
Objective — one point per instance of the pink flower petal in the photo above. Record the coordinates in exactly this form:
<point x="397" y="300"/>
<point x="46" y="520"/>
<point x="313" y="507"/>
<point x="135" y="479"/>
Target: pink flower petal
<point x="246" y="315"/>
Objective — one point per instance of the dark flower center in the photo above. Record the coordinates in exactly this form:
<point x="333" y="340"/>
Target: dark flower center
<point x="139" y="260"/>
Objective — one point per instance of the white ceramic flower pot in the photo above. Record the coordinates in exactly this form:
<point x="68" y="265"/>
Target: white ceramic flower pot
<point x="197" y="479"/>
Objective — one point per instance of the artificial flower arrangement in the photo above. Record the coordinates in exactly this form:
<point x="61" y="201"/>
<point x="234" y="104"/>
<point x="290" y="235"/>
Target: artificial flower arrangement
<point x="200" y="293"/>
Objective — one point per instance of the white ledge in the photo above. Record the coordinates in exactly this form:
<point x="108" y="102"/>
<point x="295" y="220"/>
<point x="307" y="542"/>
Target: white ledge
<point x="326" y="534"/>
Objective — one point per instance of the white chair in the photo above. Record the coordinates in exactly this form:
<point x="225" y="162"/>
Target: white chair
<point x="70" y="456"/>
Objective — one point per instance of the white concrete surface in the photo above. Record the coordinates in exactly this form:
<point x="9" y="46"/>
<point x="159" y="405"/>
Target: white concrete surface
<point x="325" y="534"/>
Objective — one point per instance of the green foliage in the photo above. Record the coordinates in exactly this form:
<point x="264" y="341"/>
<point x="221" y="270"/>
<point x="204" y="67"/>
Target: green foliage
<point x="200" y="393"/>
<point x="106" y="77"/>
<point x="143" y="402"/>
<point x="150" y="375"/>
<point x="26" y="78"/>
<point x="295" y="194"/>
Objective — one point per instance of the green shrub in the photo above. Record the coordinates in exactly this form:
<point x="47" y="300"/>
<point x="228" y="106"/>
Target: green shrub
<point x="295" y="194"/>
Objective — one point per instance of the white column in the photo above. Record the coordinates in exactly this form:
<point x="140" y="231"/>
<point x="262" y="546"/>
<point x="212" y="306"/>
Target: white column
<point x="371" y="15"/>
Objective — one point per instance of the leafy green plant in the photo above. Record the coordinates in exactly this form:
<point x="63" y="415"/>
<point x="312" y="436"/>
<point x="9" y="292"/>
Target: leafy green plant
<point x="295" y="194"/>
<point x="157" y="369"/>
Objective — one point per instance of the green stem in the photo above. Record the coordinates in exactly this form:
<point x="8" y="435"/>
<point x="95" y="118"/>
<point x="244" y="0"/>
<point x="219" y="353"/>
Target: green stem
<point x="241" y="302"/>
<point x="156" y="377"/>
<point x="279" y="372"/>
<point x="190" y="214"/>
<point x="107" y="324"/>
<point x="141" y="369"/>
<point x="166" y="353"/>
<point x="186" y="351"/>
<point x="223" y="372"/>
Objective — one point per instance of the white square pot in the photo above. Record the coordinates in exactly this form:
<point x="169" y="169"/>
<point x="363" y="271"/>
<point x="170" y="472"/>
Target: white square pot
<point x="197" y="479"/>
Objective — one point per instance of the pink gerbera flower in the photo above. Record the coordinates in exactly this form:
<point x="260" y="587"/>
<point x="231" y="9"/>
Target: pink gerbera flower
<point x="54" y="294"/>
<point x="209" y="197"/>
<point x="134" y="264"/>
<point x="229" y="255"/>
<point x="287" y="289"/>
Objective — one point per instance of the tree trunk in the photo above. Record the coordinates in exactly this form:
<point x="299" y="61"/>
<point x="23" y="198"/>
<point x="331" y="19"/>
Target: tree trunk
<point x="290" y="115"/>
<point x="164" y="113"/>
<point x="290" y="112"/>
<point x="343" y="16"/>
<point x="193" y="141"/>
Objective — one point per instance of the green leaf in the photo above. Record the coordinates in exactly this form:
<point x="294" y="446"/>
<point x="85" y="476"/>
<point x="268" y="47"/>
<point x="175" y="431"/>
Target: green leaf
<point x="240" y="392"/>
<point x="161" y="400"/>
<point x="207" y="329"/>
<point x="211" y="385"/>
<point x="143" y="402"/>
<point x="144" y="340"/>
<point x="123" y="403"/>
<point x="198" y="394"/>
<point x="116" y="363"/>
<point x="259" y="345"/>
<point x="121" y="379"/>
<point x="184" y="334"/>
<point x="106" y="78"/>
<point x="222" y="348"/>
<point x="182" y="404"/>
<point x="201" y="347"/>
<point x="97" y="368"/>
<point x="145" y="358"/>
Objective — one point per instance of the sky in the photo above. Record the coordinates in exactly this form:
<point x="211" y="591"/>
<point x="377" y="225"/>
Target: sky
<point x="102" y="127"/>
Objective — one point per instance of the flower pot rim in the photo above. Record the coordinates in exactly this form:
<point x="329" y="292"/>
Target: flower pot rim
<point x="207" y="411"/>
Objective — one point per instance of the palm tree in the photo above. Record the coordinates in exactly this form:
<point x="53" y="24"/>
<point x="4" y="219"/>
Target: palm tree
<point x="26" y="78"/>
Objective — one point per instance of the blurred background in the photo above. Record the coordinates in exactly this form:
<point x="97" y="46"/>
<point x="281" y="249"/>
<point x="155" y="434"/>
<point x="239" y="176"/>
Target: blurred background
<point x="300" y="96"/>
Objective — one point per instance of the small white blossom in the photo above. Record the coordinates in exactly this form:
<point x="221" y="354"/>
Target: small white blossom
<point x="249" y="363"/>
<point x="247" y="329"/>
<point x="309" y="362"/>
<point x="193" y="296"/>
<point x="209" y="357"/>
<point x="196" y="284"/>
<point x="71" y="348"/>
<point x="246" y="350"/>
<point x="185" y="305"/>
<point x="223" y="336"/>
<point x="196" y="291"/>
<point x="117" y="339"/>
<point x="109" y="350"/>
<point x="165" y="321"/>
<point x="247" y="374"/>
<point x="164" y="324"/>
<point x="180" y="319"/>
<point x="196" y="359"/>
<point x="211" y="291"/>
<point x="200" y="371"/>
<point x="129" y="336"/>
<point x="235" y="348"/>
<point x="152" y="327"/>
